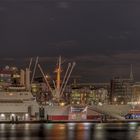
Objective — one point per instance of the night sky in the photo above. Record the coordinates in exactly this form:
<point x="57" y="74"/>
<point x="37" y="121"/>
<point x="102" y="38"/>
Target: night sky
<point x="102" y="36"/>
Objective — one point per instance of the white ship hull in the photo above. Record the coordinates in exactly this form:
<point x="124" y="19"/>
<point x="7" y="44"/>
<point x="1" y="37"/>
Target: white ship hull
<point x="18" y="106"/>
<point x="92" y="113"/>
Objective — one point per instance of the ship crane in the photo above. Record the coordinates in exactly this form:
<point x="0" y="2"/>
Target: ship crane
<point x="68" y="74"/>
<point x="61" y="87"/>
<point x="34" y="70"/>
<point x="65" y="76"/>
<point x="30" y="64"/>
<point x="41" y="70"/>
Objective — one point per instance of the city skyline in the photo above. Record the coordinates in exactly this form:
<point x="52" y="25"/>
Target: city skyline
<point x="102" y="37"/>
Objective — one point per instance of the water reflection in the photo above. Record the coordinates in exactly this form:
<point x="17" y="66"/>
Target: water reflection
<point x="70" y="131"/>
<point x="99" y="133"/>
<point x="137" y="134"/>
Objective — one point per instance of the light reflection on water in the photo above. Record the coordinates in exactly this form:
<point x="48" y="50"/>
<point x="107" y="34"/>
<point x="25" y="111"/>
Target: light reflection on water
<point x="70" y="131"/>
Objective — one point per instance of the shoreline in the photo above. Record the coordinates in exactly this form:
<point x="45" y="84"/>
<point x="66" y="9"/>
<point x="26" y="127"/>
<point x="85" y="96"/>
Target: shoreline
<point x="69" y="121"/>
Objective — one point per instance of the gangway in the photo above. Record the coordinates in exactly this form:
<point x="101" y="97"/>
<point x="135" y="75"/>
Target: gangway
<point x="104" y="111"/>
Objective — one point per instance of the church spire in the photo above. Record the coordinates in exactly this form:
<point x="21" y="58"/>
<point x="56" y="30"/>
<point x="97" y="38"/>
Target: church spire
<point x="131" y="73"/>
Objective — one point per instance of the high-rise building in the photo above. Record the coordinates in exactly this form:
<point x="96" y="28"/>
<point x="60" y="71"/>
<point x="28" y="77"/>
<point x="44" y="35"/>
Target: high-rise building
<point x="136" y="93"/>
<point x="121" y="90"/>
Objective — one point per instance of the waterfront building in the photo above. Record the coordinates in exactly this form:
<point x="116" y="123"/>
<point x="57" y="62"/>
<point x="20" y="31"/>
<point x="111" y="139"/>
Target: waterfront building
<point x="89" y="94"/>
<point x="121" y="90"/>
<point x="136" y="93"/>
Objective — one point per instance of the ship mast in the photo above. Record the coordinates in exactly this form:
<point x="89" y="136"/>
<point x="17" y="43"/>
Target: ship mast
<point x="59" y="90"/>
<point x="58" y="86"/>
<point x="58" y="78"/>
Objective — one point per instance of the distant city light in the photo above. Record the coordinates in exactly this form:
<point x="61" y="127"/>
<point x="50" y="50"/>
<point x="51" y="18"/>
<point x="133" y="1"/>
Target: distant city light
<point x="100" y="104"/>
<point x="11" y="94"/>
<point x="12" y="115"/>
<point x="115" y="99"/>
<point x="62" y="104"/>
<point x="2" y="115"/>
<point x="26" y="115"/>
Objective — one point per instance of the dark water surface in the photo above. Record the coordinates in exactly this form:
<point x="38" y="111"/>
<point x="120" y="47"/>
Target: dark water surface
<point x="70" y="131"/>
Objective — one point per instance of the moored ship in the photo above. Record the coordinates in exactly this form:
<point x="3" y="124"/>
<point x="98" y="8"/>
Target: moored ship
<point x="17" y="103"/>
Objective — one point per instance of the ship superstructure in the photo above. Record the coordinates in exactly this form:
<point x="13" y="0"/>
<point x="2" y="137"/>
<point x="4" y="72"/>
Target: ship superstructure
<point x="16" y="101"/>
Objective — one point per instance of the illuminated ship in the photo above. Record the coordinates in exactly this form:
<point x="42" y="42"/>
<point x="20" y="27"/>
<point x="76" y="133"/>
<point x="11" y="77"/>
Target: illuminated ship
<point x="59" y="109"/>
<point x="17" y="102"/>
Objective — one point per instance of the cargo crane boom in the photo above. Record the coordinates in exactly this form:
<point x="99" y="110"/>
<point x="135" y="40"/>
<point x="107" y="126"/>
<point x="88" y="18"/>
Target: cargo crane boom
<point x="41" y="70"/>
<point x="67" y="79"/>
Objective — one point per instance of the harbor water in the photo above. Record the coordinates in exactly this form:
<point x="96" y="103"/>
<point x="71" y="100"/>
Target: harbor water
<point x="70" y="131"/>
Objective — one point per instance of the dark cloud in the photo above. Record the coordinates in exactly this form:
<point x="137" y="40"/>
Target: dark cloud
<point x="101" y="36"/>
